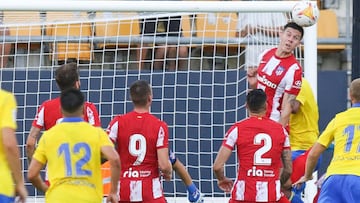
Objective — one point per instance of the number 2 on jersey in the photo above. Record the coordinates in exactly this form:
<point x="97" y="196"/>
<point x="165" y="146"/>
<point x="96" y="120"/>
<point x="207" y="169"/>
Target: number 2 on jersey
<point x="137" y="148"/>
<point x="258" y="155"/>
<point x="78" y="148"/>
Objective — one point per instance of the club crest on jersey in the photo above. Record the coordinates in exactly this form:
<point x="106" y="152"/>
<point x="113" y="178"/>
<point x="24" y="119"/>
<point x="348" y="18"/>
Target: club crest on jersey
<point x="279" y="70"/>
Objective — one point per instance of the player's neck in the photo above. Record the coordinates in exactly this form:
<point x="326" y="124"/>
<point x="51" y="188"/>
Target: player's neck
<point x="258" y="115"/>
<point x="141" y="110"/>
<point x="282" y="54"/>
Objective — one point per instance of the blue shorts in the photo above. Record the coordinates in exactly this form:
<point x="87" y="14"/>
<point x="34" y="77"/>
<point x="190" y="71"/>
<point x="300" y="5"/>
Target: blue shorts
<point x="340" y="189"/>
<point x="6" y="199"/>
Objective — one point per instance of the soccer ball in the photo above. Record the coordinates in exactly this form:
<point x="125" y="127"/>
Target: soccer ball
<point x="305" y="13"/>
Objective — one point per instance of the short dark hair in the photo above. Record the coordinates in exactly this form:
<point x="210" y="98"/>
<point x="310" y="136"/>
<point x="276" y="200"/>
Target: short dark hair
<point x="66" y="76"/>
<point x="71" y="100"/>
<point x="256" y="100"/>
<point x="295" y="26"/>
<point x="139" y="92"/>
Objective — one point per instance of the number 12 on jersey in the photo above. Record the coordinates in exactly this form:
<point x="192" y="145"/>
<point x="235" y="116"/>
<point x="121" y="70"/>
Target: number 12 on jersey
<point x="67" y="152"/>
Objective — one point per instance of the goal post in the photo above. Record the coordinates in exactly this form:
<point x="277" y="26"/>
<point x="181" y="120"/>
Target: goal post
<point x="199" y="101"/>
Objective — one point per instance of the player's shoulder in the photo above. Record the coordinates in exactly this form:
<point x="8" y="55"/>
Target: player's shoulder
<point x="87" y="103"/>
<point x="5" y="95"/>
<point x="51" y="102"/>
<point x="268" y="53"/>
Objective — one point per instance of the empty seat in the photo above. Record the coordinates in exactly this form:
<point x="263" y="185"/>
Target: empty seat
<point x="219" y="27"/>
<point x="216" y="25"/>
<point x="327" y="27"/>
<point x="23" y="23"/>
<point x="187" y="25"/>
<point x="114" y="24"/>
<point x="72" y="26"/>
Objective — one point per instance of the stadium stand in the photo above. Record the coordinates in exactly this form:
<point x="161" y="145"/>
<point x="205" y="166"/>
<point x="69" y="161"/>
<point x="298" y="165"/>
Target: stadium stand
<point x="64" y="51"/>
<point x="112" y="28"/>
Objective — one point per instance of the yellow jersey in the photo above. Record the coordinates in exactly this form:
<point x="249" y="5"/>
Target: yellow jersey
<point x="304" y="127"/>
<point x="344" y="130"/>
<point x="7" y="120"/>
<point x="72" y="152"/>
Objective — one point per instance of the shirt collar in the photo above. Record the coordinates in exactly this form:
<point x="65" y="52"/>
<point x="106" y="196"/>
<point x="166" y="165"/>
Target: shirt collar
<point x="72" y="119"/>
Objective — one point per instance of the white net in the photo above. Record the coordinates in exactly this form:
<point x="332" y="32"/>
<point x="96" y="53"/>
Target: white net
<point x="195" y="64"/>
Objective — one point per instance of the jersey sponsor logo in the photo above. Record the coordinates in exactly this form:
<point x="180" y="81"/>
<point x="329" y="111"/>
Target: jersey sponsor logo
<point x="136" y="174"/>
<point x="279" y="70"/>
<point x="255" y="172"/>
<point x="267" y="82"/>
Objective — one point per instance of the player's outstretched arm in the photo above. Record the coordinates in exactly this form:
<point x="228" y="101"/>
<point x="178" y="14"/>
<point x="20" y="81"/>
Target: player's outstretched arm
<point x="311" y="162"/>
<point x="194" y="194"/>
<point x="115" y="167"/>
<point x="34" y="175"/>
<point x="164" y="163"/>
<point x="224" y="183"/>
<point x="31" y="142"/>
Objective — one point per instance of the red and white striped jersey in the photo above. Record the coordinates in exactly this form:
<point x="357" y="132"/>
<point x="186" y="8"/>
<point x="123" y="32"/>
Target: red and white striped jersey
<point x="49" y="114"/>
<point x="137" y="137"/>
<point x="277" y="76"/>
<point x="260" y="143"/>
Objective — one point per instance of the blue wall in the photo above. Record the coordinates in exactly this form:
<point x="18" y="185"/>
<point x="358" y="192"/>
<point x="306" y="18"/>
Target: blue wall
<point x="190" y="102"/>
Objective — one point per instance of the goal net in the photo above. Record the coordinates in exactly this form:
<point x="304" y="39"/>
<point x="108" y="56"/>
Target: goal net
<point x="193" y="53"/>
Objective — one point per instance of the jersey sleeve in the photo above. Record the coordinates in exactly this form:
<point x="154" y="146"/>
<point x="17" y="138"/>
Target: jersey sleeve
<point x="163" y="136"/>
<point x="112" y="129"/>
<point x="231" y="137"/>
<point x="92" y="114"/>
<point x="287" y="139"/>
<point x="104" y="139"/>
<point x="39" y="117"/>
<point x="40" y="152"/>
<point x="327" y="136"/>
<point x="294" y="79"/>
<point x="8" y="116"/>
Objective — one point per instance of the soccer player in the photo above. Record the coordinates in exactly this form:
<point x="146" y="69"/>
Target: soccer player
<point x="279" y="74"/>
<point x="263" y="148"/>
<point x="49" y="113"/>
<point x="12" y="182"/>
<point x="343" y="174"/>
<point x="194" y="194"/>
<point x="72" y="150"/>
<point x="141" y="140"/>
<point x="304" y="131"/>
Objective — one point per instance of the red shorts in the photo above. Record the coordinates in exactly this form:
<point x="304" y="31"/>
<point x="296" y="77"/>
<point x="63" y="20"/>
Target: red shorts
<point x="282" y="199"/>
<point x="299" y="166"/>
